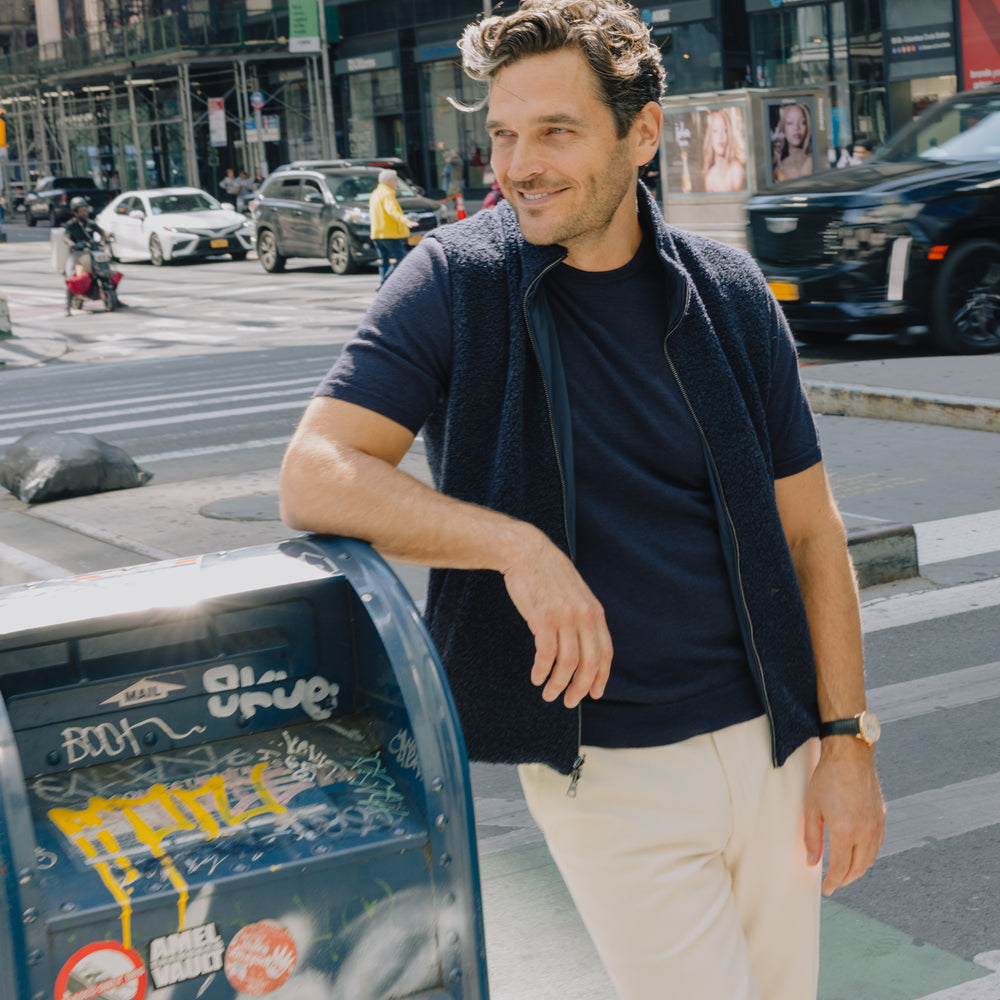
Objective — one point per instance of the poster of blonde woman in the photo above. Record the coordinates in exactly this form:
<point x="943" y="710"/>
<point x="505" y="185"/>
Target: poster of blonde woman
<point x="791" y="139"/>
<point x="724" y="150"/>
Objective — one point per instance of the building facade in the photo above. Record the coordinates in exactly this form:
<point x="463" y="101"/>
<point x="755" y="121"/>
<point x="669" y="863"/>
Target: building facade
<point x="176" y="91"/>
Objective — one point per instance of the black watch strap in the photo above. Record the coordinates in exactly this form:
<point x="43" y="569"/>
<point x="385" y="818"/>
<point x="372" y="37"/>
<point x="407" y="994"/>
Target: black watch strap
<point x="840" y="727"/>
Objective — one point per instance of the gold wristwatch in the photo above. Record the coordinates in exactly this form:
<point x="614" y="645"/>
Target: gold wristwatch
<point x="863" y="726"/>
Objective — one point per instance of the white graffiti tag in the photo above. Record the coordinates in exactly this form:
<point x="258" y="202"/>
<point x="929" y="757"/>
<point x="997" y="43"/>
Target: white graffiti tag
<point x="404" y="748"/>
<point x="316" y="696"/>
<point x="110" y="740"/>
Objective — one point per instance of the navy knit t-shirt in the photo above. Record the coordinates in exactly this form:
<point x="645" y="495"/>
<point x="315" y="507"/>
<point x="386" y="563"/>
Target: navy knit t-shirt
<point x="647" y="542"/>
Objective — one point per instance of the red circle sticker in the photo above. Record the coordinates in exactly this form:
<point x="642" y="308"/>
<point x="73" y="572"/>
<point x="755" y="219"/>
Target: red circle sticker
<point x="102" y="969"/>
<point x="260" y="958"/>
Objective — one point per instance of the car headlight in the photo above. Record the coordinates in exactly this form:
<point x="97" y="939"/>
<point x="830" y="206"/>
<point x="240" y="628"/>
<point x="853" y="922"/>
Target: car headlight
<point x="881" y="215"/>
<point x="359" y="215"/>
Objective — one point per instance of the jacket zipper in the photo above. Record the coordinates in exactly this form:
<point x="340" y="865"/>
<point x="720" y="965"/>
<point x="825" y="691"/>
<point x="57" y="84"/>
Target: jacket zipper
<point x="732" y="528"/>
<point x="580" y="758"/>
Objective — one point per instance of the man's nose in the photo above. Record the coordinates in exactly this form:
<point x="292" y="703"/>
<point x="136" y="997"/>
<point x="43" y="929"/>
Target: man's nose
<point x="525" y="160"/>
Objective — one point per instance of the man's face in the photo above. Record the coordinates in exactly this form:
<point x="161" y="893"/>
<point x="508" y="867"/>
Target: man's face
<point x="561" y="166"/>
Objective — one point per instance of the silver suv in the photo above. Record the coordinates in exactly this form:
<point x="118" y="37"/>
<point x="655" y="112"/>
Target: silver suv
<point x="323" y="212"/>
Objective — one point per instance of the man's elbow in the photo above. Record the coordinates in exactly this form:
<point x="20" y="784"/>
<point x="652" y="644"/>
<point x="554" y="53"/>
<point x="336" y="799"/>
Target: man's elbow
<point x="296" y="495"/>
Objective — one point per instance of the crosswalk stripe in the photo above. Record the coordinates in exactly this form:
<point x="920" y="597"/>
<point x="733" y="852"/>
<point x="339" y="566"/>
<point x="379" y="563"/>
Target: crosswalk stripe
<point x="941" y="813"/>
<point x="909" y="609"/>
<point x="958" y="537"/>
<point x="923" y="695"/>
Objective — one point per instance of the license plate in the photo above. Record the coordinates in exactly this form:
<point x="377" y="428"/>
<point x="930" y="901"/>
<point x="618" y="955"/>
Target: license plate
<point x="219" y="244"/>
<point x="785" y="291"/>
<point x="413" y="240"/>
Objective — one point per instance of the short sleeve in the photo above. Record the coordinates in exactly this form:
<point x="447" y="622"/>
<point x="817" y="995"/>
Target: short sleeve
<point x="399" y="362"/>
<point x="794" y="438"/>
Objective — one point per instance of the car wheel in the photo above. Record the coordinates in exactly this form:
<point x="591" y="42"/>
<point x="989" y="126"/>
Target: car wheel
<point x="966" y="308"/>
<point x="821" y="338"/>
<point x="338" y="253"/>
<point x="267" y="252"/>
<point x="156" y="257"/>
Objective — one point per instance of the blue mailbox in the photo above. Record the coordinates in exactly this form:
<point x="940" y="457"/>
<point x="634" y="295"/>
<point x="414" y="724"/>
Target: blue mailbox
<point x="236" y="775"/>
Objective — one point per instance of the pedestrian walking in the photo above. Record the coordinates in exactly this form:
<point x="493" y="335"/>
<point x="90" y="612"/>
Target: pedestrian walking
<point x="389" y="226"/>
<point x="230" y="184"/>
<point x="641" y="589"/>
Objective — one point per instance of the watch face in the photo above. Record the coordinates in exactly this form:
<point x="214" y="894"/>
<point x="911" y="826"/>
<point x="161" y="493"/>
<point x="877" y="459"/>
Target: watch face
<point x="869" y="727"/>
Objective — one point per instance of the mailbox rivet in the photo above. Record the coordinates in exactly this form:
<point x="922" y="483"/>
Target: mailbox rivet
<point x="437" y="785"/>
<point x="453" y="938"/>
<point x="40" y="996"/>
<point x="367" y="597"/>
<point x="35" y="956"/>
<point x="241" y="866"/>
<point x="455" y="975"/>
<point x="441" y="822"/>
<point x="53" y="757"/>
<point x="30" y="915"/>
<point x="24" y="876"/>
<point x="68" y="907"/>
<point x="448" y="899"/>
<point x="445" y="860"/>
<point x="149" y="738"/>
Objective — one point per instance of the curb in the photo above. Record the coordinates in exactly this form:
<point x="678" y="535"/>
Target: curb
<point x="846" y="400"/>
<point x="883" y="553"/>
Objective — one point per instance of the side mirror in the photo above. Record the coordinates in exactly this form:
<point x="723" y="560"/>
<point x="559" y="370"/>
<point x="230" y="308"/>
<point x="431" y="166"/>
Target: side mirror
<point x="137" y="213"/>
<point x="314" y="198"/>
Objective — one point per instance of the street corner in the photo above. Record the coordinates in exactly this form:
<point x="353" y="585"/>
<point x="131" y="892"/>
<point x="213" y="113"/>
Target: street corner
<point x="26" y="352"/>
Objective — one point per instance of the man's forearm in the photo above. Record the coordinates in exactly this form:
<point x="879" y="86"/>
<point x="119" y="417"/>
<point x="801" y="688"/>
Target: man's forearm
<point x="333" y="489"/>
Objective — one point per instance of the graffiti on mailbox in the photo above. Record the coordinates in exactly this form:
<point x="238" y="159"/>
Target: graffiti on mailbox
<point x="234" y="688"/>
<point x="152" y="834"/>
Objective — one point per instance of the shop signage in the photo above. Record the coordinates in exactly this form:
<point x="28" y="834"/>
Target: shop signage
<point x="925" y="42"/>
<point x="270" y="129"/>
<point x="679" y="12"/>
<point x="980" y="43"/>
<point x="217" y="121"/>
<point x="365" y="64"/>
<point x="303" y="26"/>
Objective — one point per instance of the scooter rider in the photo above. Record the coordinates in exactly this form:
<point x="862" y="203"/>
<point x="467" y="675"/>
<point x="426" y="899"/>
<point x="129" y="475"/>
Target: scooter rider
<point x="79" y="233"/>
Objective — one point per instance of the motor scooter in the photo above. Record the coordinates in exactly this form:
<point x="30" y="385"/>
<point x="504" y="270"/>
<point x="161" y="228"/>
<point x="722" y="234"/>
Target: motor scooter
<point x="94" y="278"/>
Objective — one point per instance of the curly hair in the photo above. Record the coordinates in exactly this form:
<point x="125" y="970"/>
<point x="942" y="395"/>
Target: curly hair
<point x="609" y="34"/>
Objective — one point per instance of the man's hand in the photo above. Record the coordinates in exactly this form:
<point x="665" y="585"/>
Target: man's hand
<point x="845" y="797"/>
<point x="572" y="644"/>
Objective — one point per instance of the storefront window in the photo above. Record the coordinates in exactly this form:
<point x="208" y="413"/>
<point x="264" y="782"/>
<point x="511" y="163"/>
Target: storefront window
<point x="458" y="149"/>
<point x="371" y="97"/>
<point x="691" y="57"/>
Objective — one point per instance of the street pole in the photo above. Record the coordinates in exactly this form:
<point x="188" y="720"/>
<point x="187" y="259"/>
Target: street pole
<point x="324" y="51"/>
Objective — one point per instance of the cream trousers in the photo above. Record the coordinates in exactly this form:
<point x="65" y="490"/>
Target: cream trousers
<point x="688" y="865"/>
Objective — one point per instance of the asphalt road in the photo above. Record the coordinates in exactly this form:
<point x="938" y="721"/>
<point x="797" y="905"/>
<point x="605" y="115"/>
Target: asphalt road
<point x="212" y="365"/>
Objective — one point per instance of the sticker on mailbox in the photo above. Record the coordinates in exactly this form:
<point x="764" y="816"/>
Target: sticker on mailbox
<point x="103" y="970"/>
<point x="261" y="958"/>
<point x="188" y="954"/>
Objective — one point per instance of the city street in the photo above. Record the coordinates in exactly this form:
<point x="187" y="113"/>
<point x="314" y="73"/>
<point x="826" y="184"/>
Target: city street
<point x="208" y="371"/>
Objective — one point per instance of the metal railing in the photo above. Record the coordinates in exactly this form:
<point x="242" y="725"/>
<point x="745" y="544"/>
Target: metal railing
<point x="152" y="37"/>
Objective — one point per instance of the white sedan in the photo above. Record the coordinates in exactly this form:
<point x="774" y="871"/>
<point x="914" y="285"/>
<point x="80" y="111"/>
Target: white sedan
<point x="165" y="224"/>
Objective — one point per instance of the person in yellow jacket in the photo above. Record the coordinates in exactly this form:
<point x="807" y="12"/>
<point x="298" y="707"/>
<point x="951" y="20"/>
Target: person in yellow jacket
<point x="390" y="226"/>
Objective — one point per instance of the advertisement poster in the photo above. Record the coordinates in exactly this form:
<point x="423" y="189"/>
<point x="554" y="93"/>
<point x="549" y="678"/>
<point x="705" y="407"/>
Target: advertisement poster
<point x="706" y="150"/>
<point x="217" y="121"/>
<point x="790" y="123"/>
<point x="980" y="43"/>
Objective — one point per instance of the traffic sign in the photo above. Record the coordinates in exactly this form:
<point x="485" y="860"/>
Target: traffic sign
<point x="257" y="100"/>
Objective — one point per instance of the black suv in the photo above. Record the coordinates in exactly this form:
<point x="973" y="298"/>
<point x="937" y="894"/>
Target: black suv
<point x="908" y="240"/>
<point x="323" y="212"/>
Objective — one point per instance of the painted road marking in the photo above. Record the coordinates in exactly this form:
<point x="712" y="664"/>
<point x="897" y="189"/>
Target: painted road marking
<point x="927" y="605"/>
<point x="958" y="537"/>
<point x="924" y="695"/>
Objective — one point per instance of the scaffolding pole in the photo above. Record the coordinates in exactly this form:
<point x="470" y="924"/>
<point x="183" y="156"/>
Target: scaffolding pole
<point x="140" y="166"/>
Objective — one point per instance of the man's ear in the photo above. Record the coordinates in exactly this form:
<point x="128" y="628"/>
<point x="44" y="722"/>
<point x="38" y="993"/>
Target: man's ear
<point x="645" y="133"/>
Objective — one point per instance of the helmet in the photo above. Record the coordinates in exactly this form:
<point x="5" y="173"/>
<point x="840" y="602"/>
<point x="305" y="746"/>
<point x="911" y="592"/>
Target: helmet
<point x="78" y="202"/>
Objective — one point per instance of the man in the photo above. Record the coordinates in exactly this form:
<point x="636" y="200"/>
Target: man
<point x="78" y="234"/>
<point x="230" y="184"/>
<point x="631" y="514"/>
<point x="389" y="226"/>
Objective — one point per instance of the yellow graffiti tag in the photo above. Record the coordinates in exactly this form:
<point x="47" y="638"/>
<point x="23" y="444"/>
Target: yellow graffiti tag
<point x="150" y="819"/>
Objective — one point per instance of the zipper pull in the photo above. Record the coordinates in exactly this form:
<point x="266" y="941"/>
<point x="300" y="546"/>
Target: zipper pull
<point x="574" y="775"/>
